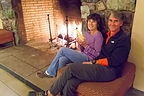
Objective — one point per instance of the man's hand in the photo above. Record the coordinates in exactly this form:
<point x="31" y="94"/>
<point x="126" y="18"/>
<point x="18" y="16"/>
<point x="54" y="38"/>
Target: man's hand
<point x="86" y="62"/>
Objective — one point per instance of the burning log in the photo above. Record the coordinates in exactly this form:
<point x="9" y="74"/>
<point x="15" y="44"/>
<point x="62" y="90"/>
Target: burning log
<point x="67" y="38"/>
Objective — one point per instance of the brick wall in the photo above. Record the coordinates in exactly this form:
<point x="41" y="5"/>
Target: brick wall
<point x="35" y="18"/>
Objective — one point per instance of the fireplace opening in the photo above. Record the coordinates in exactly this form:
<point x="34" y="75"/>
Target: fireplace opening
<point x="71" y="20"/>
<point x="36" y="27"/>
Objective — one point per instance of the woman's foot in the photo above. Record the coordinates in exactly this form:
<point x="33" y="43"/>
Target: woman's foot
<point x="42" y="74"/>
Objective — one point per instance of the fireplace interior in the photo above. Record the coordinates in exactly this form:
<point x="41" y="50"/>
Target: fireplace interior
<point x="34" y="24"/>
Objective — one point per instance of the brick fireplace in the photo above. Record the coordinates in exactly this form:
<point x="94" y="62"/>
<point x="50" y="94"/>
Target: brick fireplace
<point x="33" y="25"/>
<point x="32" y="19"/>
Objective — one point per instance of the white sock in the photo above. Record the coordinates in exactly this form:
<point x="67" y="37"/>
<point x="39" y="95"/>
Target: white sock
<point x="47" y="73"/>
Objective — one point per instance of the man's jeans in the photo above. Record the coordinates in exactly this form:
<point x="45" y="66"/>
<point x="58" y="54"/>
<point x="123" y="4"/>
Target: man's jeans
<point x="74" y="74"/>
<point x="63" y="57"/>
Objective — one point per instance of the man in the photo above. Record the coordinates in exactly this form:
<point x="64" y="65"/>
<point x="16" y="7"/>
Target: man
<point x="106" y="67"/>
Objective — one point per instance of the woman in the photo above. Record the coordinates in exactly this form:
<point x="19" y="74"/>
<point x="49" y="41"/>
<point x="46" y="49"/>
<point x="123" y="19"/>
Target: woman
<point x="90" y="48"/>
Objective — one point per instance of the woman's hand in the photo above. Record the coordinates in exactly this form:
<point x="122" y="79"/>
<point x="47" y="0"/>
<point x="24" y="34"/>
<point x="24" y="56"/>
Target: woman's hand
<point x="80" y="42"/>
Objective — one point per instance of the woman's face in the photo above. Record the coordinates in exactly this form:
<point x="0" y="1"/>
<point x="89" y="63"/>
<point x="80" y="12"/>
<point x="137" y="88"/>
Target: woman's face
<point x="92" y="25"/>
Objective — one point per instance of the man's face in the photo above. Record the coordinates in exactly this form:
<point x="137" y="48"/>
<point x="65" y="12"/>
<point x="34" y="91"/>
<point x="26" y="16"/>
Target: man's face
<point x="114" y="23"/>
<point x="92" y="25"/>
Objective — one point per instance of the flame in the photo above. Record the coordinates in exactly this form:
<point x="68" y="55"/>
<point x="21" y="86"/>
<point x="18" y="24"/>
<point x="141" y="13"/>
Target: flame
<point x="71" y="30"/>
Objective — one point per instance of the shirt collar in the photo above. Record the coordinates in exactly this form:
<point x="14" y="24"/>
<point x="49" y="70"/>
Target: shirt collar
<point x="108" y="33"/>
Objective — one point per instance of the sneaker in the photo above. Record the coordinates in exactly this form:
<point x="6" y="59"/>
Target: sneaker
<point x="42" y="74"/>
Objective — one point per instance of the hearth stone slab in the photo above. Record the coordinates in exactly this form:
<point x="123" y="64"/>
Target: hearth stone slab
<point x="23" y="62"/>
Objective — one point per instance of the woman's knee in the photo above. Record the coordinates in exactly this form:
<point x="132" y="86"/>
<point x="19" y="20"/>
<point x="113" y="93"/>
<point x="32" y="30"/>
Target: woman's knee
<point x="62" y="59"/>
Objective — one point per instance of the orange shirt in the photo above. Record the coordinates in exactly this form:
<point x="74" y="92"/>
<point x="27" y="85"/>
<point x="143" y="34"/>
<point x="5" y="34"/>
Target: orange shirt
<point x="108" y="33"/>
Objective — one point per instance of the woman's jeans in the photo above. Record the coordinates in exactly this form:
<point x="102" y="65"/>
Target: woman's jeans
<point x="63" y="57"/>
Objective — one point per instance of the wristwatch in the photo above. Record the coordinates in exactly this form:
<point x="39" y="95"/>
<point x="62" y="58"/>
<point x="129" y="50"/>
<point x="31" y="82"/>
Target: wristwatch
<point x="93" y="61"/>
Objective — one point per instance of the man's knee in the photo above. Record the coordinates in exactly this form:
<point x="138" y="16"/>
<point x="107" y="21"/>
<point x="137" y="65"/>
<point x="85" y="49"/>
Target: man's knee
<point x="70" y="87"/>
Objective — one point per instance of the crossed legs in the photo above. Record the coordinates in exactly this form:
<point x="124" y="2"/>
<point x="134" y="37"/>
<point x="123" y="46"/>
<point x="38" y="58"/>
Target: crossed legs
<point x="75" y="74"/>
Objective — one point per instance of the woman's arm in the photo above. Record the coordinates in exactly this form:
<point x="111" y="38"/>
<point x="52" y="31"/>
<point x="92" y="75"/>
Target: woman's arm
<point x="94" y="49"/>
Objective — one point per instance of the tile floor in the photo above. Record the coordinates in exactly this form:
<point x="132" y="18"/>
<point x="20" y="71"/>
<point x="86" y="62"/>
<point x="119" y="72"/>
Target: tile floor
<point x="10" y="86"/>
<point x="25" y="61"/>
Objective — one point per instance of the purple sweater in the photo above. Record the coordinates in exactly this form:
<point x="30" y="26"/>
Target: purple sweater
<point x="94" y="43"/>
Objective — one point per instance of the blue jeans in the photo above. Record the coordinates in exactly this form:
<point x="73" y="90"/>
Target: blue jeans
<point x="63" y="57"/>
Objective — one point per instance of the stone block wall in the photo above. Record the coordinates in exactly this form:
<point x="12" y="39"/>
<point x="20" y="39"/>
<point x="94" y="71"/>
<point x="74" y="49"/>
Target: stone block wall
<point x="7" y="15"/>
<point x="103" y="8"/>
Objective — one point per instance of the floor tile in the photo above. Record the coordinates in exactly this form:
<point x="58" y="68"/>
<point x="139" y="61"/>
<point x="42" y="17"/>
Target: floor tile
<point x="17" y="66"/>
<point x="13" y="86"/>
<point x="5" y="91"/>
<point x="31" y="56"/>
<point x="42" y="83"/>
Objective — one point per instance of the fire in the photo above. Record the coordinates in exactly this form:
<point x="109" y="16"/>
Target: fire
<point x="72" y="33"/>
<point x="71" y="30"/>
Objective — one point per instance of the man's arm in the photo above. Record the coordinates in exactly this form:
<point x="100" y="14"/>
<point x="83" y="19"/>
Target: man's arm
<point x="90" y="62"/>
<point x="86" y="62"/>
